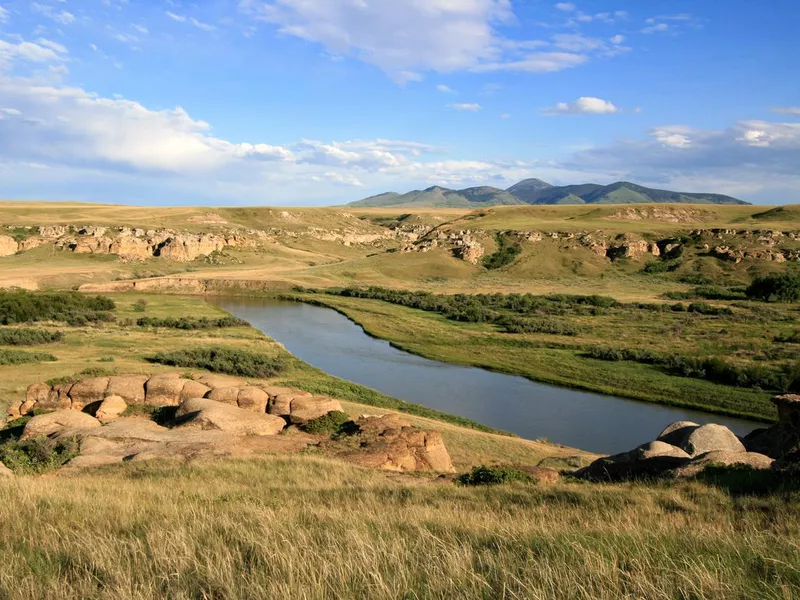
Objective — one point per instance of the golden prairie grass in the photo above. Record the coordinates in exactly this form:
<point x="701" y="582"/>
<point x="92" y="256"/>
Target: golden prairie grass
<point x="306" y="527"/>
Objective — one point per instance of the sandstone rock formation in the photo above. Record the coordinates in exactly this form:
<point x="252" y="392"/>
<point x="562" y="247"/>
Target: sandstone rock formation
<point x="683" y="449"/>
<point x="8" y="246"/>
<point x="391" y="443"/>
<point x="51" y="423"/>
<point x="5" y="472"/>
<point x="205" y="414"/>
<point x="781" y="441"/>
<point x="300" y="407"/>
<point x="110" y="409"/>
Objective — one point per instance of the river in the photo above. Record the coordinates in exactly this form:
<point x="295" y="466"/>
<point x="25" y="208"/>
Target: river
<point x="595" y="422"/>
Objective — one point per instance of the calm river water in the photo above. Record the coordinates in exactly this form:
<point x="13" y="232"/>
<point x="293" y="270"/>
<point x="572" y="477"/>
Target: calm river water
<point x="594" y="422"/>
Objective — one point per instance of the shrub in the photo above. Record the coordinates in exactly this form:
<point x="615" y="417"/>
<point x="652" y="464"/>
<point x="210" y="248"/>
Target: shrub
<point x="519" y="325"/>
<point x="140" y="306"/>
<point x="507" y="250"/>
<point x="704" y="308"/>
<point x="334" y="423"/>
<point x="70" y="307"/>
<point x="20" y="357"/>
<point x="223" y="360"/>
<point x="37" y="455"/>
<point x="484" y="475"/>
<point x="29" y="337"/>
<point x="783" y="287"/>
<point x="189" y="323"/>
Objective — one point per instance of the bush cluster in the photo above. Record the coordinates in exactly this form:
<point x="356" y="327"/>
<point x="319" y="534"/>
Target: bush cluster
<point x="70" y="307"/>
<point x="29" y="337"/>
<point x="37" y="455"/>
<point x="190" y="323"/>
<point x="784" y="287"/>
<point x="713" y="369"/>
<point x="507" y="251"/>
<point x="522" y="325"/>
<point x="223" y="360"/>
<point x="21" y="357"/>
<point x="484" y="475"/>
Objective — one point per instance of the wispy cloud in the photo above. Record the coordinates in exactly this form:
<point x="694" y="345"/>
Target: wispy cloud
<point x="466" y="106"/>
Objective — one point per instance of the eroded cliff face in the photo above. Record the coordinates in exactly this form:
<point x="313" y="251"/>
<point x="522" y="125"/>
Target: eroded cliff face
<point x="137" y="244"/>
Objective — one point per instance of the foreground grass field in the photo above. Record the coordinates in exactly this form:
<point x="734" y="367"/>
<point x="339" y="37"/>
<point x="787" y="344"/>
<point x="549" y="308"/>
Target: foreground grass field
<point x="305" y="527"/>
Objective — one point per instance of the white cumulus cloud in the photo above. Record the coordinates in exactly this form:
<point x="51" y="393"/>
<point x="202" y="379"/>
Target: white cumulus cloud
<point x="586" y="105"/>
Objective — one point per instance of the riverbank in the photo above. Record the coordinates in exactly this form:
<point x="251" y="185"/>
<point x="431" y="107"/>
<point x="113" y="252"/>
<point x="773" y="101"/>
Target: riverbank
<point x="558" y="360"/>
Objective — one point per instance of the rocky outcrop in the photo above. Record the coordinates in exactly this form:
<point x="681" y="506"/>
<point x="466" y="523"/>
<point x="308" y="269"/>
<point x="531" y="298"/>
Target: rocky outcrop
<point x="683" y="449"/>
<point x="8" y="246"/>
<point x="391" y="443"/>
<point x="170" y="389"/>
<point x="205" y="414"/>
<point x="781" y="441"/>
<point x="55" y="422"/>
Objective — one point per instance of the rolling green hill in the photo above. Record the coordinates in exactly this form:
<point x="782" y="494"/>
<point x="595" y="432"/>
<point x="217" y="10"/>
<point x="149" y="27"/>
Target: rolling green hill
<point x="536" y="191"/>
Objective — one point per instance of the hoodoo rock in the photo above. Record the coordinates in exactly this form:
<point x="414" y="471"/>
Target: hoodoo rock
<point x="202" y="413"/>
<point x="52" y="423"/>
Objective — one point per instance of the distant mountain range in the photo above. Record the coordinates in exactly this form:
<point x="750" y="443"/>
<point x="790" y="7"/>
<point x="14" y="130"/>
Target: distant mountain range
<point x="536" y="191"/>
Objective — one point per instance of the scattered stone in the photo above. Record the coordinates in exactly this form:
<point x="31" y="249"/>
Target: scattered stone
<point x="202" y="413"/>
<point x="54" y="422"/>
<point x="110" y="409"/>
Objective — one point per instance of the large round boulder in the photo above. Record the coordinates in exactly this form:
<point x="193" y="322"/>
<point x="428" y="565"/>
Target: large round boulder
<point x="752" y="460"/>
<point x="203" y="413"/>
<point x="253" y="399"/>
<point x="708" y="438"/>
<point x="55" y="422"/>
<point x="676" y="432"/>
<point x="307" y="408"/>
<point x="226" y="395"/>
<point x="647" y="461"/>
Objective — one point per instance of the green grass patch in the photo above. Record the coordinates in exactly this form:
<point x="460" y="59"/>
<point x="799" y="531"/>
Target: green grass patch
<point x="508" y="248"/>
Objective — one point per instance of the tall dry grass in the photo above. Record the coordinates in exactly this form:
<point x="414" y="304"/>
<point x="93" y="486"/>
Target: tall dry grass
<point x="305" y="527"/>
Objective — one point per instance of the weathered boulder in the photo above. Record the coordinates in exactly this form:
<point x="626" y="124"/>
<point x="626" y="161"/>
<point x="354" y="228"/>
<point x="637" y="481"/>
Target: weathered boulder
<point x="648" y="460"/>
<point x="724" y="459"/>
<point x="253" y="399"/>
<point x="37" y="392"/>
<point x="59" y="398"/>
<point x="52" y="423"/>
<point x="5" y="472"/>
<point x="788" y="407"/>
<point x="164" y="390"/>
<point x="87" y="391"/>
<point x="128" y="387"/>
<point x="202" y="413"/>
<point x="226" y="395"/>
<point x="110" y="409"/>
<point x="193" y="389"/>
<point x="301" y="407"/>
<point x="707" y="438"/>
<point x="389" y="442"/>
<point x="542" y="474"/>
<point x="306" y="408"/>
<point x="8" y="245"/>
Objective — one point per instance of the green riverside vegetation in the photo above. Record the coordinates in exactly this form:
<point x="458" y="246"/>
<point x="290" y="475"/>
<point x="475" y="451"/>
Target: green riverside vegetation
<point x="69" y="307"/>
<point x="223" y="360"/>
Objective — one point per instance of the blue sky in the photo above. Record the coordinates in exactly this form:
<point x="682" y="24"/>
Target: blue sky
<point x="324" y="101"/>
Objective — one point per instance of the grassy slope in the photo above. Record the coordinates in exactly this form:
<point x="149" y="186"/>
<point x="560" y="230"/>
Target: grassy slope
<point x="433" y="336"/>
<point x="305" y="527"/>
